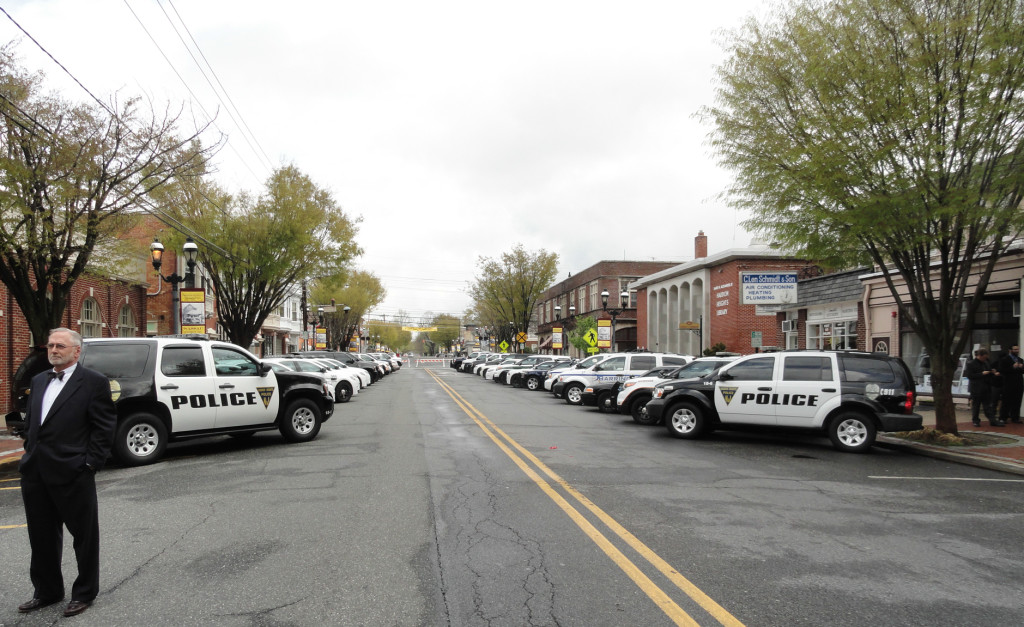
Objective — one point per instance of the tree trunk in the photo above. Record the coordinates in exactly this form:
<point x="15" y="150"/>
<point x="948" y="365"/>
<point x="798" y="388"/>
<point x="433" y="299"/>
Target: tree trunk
<point x="942" y="394"/>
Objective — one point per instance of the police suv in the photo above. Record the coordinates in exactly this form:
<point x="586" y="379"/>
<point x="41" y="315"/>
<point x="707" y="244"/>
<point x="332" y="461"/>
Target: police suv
<point x="613" y="367"/>
<point x="849" y="395"/>
<point x="173" y="388"/>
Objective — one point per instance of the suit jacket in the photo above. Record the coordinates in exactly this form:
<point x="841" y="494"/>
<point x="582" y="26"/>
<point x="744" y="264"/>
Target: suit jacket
<point x="79" y="429"/>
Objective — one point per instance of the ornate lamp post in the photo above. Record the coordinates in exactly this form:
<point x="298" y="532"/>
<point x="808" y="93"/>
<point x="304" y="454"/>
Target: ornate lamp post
<point x="191" y="251"/>
<point x="614" y="313"/>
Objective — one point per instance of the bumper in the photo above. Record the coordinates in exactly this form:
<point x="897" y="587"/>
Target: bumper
<point x="655" y="407"/>
<point x="326" y="407"/>
<point x="901" y="422"/>
<point x="557" y="387"/>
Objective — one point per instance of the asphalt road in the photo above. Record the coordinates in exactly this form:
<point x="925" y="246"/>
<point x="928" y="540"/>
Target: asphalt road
<point x="437" y="498"/>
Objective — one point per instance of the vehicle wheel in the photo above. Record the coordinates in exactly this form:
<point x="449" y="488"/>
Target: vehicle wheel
<point x="343" y="392"/>
<point x="140" y="439"/>
<point x="301" y="421"/>
<point x="638" y="409"/>
<point x="606" y="402"/>
<point x="242" y="435"/>
<point x="685" y="420"/>
<point x="574" y="394"/>
<point x="533" y="383"/>
<point x="851" y="432"/>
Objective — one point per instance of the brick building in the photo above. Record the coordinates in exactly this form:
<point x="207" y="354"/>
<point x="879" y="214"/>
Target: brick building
<point x="707" y="291"/>
<point x="97" y="307"/>
<point x="583" y="292"/>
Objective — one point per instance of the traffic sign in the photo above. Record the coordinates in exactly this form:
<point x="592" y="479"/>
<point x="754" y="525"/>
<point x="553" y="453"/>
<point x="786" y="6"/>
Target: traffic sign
<point x="591" y="337"/>
<point x="503" y="346"/>
<point x="593" y="349"/>
<point x="521" y="338"/>
<point x="755" y="339"/>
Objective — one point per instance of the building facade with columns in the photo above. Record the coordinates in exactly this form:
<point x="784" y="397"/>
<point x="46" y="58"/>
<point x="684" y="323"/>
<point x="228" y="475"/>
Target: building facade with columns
<point x="706" y="294"/>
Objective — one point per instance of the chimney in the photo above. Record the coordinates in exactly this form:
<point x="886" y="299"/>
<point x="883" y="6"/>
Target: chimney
<point x="700" y="245"/>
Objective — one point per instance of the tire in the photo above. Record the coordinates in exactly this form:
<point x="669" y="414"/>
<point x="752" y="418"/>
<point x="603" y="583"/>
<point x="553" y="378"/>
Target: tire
<point x="606" y="402"/>
<point x="343" y="392"/>
<point x="301" y="421"/>
<point x="686" y="420"/>
<point x="533" y="383"/>
<point x="637" y="409"/>
<point x="140" y="439"/>
<point x="574" y="394"/>
<point x="852" y="432"/>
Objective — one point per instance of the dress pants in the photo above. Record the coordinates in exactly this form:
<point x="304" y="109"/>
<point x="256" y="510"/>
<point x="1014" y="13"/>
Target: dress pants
<point x="48" y="509"/>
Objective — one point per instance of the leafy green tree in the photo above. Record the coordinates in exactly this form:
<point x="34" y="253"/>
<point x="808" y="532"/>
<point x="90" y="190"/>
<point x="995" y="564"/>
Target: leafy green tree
<point x="447" y="333"/>
<point x="293" y="229"/>
<point x="72" y="177"/>
<point x="359" y="290"/>
<point x="890" y="131"/>
<point x="506" y="290"/>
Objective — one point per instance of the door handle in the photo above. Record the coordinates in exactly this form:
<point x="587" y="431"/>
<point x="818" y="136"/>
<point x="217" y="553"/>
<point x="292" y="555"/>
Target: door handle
<point x="828" y="389"/>
<point x="227" y="386"/>
<point x="764" y="389"/>
<point x="169" y="386"/>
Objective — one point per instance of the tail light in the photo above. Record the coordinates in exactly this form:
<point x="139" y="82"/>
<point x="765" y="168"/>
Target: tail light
<point x="908" y="406"/>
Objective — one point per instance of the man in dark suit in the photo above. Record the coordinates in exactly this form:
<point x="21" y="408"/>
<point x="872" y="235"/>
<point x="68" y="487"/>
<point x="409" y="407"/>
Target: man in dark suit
<point x="1011" y="367"/>
<point x="70" y="428"/>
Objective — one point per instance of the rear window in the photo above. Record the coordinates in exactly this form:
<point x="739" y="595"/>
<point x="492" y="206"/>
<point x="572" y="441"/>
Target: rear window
<point x="183" y="361"/>
<point x="117" y="361"/>
<point x="866" y="369"/>
<point x="807" y="369"/>
<point x="643" y="362"/>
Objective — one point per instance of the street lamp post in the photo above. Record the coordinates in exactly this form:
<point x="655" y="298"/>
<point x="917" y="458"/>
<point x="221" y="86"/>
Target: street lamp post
<point x="614" y="313"/>
<point x="191" y="251"/>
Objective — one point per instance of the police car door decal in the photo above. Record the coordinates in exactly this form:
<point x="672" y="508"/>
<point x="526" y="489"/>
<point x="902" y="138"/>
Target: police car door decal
<point x="744" y="393"/>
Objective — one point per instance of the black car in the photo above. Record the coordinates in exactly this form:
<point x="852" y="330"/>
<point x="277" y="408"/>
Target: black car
<point x="533" y="378"/>
<point x="848" y="395"/>
<point x="601" y="395"/>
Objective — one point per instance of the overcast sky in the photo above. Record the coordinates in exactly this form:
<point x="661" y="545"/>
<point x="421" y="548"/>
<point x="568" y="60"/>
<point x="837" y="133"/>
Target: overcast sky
<point x="454" y="129"/>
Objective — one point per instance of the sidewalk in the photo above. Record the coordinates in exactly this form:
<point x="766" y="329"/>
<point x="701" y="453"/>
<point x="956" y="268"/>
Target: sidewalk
<point x="1007" y="457"/>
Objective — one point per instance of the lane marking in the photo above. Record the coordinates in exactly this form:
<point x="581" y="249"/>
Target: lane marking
<point x="13" y="526"/>
<point x="656" y="594"/>
<point x="950" y="479"/>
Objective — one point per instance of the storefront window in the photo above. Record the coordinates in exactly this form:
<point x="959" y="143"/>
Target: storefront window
<point x="832" y="335"/>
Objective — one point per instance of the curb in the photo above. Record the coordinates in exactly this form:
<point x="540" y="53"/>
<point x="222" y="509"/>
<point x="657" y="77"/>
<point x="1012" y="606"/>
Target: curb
<point x="978" y="460"/>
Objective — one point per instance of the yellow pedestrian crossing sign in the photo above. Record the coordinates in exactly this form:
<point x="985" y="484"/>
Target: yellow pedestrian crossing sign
<point x="503" y="346"/>
<point x="591" y="337"/>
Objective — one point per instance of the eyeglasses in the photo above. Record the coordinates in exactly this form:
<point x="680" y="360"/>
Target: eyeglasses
<point x="59" y="347"/>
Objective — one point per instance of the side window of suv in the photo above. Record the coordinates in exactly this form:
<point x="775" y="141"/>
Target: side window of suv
<point x="673" y="361"/>
<point x="229" y="362"/>
<point x="807" y="369"/>
<point x="643" y="362"/>
<point x="866" y="369"/>
<point x="612" y="364"/>
<point x="758" y="369"/>
<point x="117" y="361"/>
<point x="183" y="361"/>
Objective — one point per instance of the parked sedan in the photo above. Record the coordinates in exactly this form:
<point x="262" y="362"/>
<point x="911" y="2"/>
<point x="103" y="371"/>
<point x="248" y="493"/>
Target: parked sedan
<point x="533" y="378"/>
<point x="342" y="387"/>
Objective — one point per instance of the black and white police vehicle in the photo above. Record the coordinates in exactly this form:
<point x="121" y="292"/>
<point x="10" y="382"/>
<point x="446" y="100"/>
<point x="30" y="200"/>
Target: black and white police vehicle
<point x="848" y="395"/>
<point x="174" y="388"/>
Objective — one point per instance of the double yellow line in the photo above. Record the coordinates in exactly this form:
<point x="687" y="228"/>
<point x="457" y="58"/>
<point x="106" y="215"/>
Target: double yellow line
<point x="519" y="457"/>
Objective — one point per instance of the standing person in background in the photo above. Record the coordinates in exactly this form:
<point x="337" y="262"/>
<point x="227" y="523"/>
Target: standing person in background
<point x="982" y="377"/>
<point x="1011" y="370"/>
<point x="70" y="429"/>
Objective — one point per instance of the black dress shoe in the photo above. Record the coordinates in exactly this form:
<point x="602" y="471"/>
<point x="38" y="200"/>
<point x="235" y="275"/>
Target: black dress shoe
<point x="977" y="423"/>
<point x="75" y="608"/>
<point x="998" y="423"/>
<point x="35" y="604"/>
<point x="1016" y="421"/>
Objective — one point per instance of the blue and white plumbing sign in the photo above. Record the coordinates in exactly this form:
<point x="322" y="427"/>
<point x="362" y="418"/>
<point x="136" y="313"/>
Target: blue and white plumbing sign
<point x="767" y="288"/>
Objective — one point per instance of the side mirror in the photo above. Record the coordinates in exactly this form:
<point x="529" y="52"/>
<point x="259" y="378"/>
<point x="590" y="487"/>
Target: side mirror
<point x="264" y="369"/>
<point x="724" y="376"/>
<point x="323" y="369"/>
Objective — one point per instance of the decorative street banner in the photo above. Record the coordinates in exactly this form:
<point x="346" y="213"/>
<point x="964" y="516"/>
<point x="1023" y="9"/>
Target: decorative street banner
<point x="604" y="333"/>
<point x="193" y="310"/>
<point x="321" y="338"/>
<point x="767" y="288"/>
<point x="556" y="337"/>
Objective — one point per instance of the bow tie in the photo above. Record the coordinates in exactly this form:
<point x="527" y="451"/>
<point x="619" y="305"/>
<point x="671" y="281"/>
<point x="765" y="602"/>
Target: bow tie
<point x="56" y="375"/>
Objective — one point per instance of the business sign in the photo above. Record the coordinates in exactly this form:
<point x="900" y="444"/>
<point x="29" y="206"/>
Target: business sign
<point x="193" y="310"/>
<point x="321" y="338"/>
<point x="556" y="337"/>
<point x="767" y="288"/>
<point x="604" y="333"/>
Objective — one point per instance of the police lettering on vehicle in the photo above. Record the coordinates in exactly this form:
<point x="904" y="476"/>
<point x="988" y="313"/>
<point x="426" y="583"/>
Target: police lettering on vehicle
<point x="224" y="399"/>
<point x="765" y="398"/>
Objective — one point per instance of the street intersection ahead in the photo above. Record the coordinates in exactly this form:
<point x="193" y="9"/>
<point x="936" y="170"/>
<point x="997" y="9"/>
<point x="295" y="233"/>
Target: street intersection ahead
<point x="440" y="498"/>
